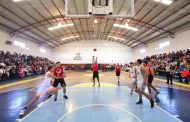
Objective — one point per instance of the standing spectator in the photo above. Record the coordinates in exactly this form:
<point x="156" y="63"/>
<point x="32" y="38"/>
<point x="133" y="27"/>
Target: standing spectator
<point x="169" y="73"/>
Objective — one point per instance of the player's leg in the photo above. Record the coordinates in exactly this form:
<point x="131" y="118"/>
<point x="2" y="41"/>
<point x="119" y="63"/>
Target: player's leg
<point x="140" y="96"/>
<point x="118" y="77"/>
<point x="149" y="89"/>
<point x="149" y="98"/>
<point x="150" y="80"/>
<point x="118" y="80"/>
<point x="157" y="92"/>
<point x="134" y="87"/>
<point x="94" y="79"/>
<point x="143" y="87"/>
<point x="63" y="85"/>
<point x="52" y="90"/>
<point x="64" y="92"/>
<point x="98" y="81"/>
<point x="22" y="112"/>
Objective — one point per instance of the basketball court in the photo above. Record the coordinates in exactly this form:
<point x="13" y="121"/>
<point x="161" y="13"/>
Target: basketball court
<point x="113" y="104"/>
<point x="94" y="52"/>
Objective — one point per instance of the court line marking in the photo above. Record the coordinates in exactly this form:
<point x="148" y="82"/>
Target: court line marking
<point x="88" y="84"/>
<point x="157" y="87"/>
<point x="162" y="109"/>
<point x="38" y="106"/>
<point x="168" y="113"/>
<point x="176" y="83"/>
<point x="66" y="114"/>
<point x="16" y="89"/>
<point x="91" y="89"/>
<point x="20" y="82"/>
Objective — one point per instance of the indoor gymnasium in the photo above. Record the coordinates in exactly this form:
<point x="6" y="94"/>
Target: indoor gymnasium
<point x="94" y="60"/>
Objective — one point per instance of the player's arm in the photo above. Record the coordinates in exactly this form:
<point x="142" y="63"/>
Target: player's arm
<point x="64" y="73"/>
<point x="129" y="74"/>
<point x="143" y="69"/>
<point x="96" y="60"/>
<point x="51" y="75"/>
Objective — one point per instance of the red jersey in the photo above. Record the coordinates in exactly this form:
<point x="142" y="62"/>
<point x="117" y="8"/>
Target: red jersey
<point x="58" y="71"/>
<point x="118" y="69"/>
<point x="95" y="67"/>
<point x="150" y="70"/>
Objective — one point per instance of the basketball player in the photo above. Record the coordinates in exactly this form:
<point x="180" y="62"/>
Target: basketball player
<point x="95" y="72"/>
<point x="60" y="74"/>
<point x="118" y="72"/>
<point x="132" y="76"/>
<point x="45" y="89"/>
<point x="93" y="62"/>
<point x="150" y="77"/>
<point x="142" y="76"/>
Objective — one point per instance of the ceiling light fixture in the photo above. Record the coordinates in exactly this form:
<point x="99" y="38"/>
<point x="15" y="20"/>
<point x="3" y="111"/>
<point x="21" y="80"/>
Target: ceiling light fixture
<point x="60" y="26"/>
<point x="17" y="0"/>
<point x="162" y="45"/>
<point x="143" y="50"/>
<point x="69" y="38"/>
<point x="116" y="38"/>
<point x="43" y="50"/>
<point x="166" y="2"/>
<point x="125" y="26"/>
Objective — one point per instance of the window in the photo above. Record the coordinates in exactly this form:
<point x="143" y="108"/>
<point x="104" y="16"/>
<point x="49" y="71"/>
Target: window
<point x="162" y="45"/>
<point x="42" y="50"/>
<point x="20" y="44"/>
<point x="143" y="50"/>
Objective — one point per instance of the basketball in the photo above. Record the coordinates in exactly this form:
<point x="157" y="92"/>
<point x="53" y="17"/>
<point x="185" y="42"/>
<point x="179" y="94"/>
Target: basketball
<point x="95" y="50"/>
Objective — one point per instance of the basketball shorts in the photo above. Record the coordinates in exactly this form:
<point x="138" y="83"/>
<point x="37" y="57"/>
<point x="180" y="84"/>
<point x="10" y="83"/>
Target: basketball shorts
<point x="59" y="81"/>
<point x="95" y="74"/>
<point x="118" y="73"/>
<point x="141" y="85"/>
<point x="150" y="79"/>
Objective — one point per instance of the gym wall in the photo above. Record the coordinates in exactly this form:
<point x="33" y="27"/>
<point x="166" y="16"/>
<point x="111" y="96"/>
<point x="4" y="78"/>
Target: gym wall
<point x="107" y="52"/>
<point x="34" y="48"/>
<point x="180" y="42"/>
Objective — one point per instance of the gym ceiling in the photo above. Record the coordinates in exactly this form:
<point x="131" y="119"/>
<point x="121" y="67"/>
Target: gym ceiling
<point x="32" y="19"/>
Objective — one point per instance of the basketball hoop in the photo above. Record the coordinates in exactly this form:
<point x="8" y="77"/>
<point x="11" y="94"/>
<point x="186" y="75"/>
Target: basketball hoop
<point x="99" y="20"/>
<point x="98" y="23"/>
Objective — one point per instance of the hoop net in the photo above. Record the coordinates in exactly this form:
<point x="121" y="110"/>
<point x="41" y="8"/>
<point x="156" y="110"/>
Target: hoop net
<point x="99" y="23"/>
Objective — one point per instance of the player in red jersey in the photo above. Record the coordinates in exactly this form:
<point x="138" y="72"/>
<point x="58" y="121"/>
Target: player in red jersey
<point x="95" y="72"/>
<point x="60" y="74"/>
<point x="118" y="72"/>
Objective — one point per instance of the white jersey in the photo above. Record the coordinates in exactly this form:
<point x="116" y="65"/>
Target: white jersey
<point x="132" y="73"/>
<point x="140" y="78"/>
<point x="139" y="75"/>
<point x="45" y="85"/>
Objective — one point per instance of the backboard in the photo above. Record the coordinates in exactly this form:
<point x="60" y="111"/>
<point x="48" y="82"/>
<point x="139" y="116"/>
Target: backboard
<point x="106" y="8"/>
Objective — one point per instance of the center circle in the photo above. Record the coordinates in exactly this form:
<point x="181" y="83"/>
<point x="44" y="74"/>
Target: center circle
<point x="99" y="113"/>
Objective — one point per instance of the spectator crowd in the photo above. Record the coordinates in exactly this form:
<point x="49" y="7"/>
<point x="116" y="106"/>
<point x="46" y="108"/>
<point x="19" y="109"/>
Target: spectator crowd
<point x="178" y="63"/>
<point x="15" y="66"/>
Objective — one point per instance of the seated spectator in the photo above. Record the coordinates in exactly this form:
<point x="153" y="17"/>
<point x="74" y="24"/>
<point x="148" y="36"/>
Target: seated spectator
<point x="14" y="65"/>
<point x="178" y="60"/>
<point x="185" y="75"/>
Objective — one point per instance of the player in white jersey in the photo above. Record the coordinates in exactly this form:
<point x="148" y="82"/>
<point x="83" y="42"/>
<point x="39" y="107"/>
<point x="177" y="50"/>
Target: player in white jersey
<point x="142" y="76"/>
<point x="45" y="89"/>
<point x="132" y="76"/>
